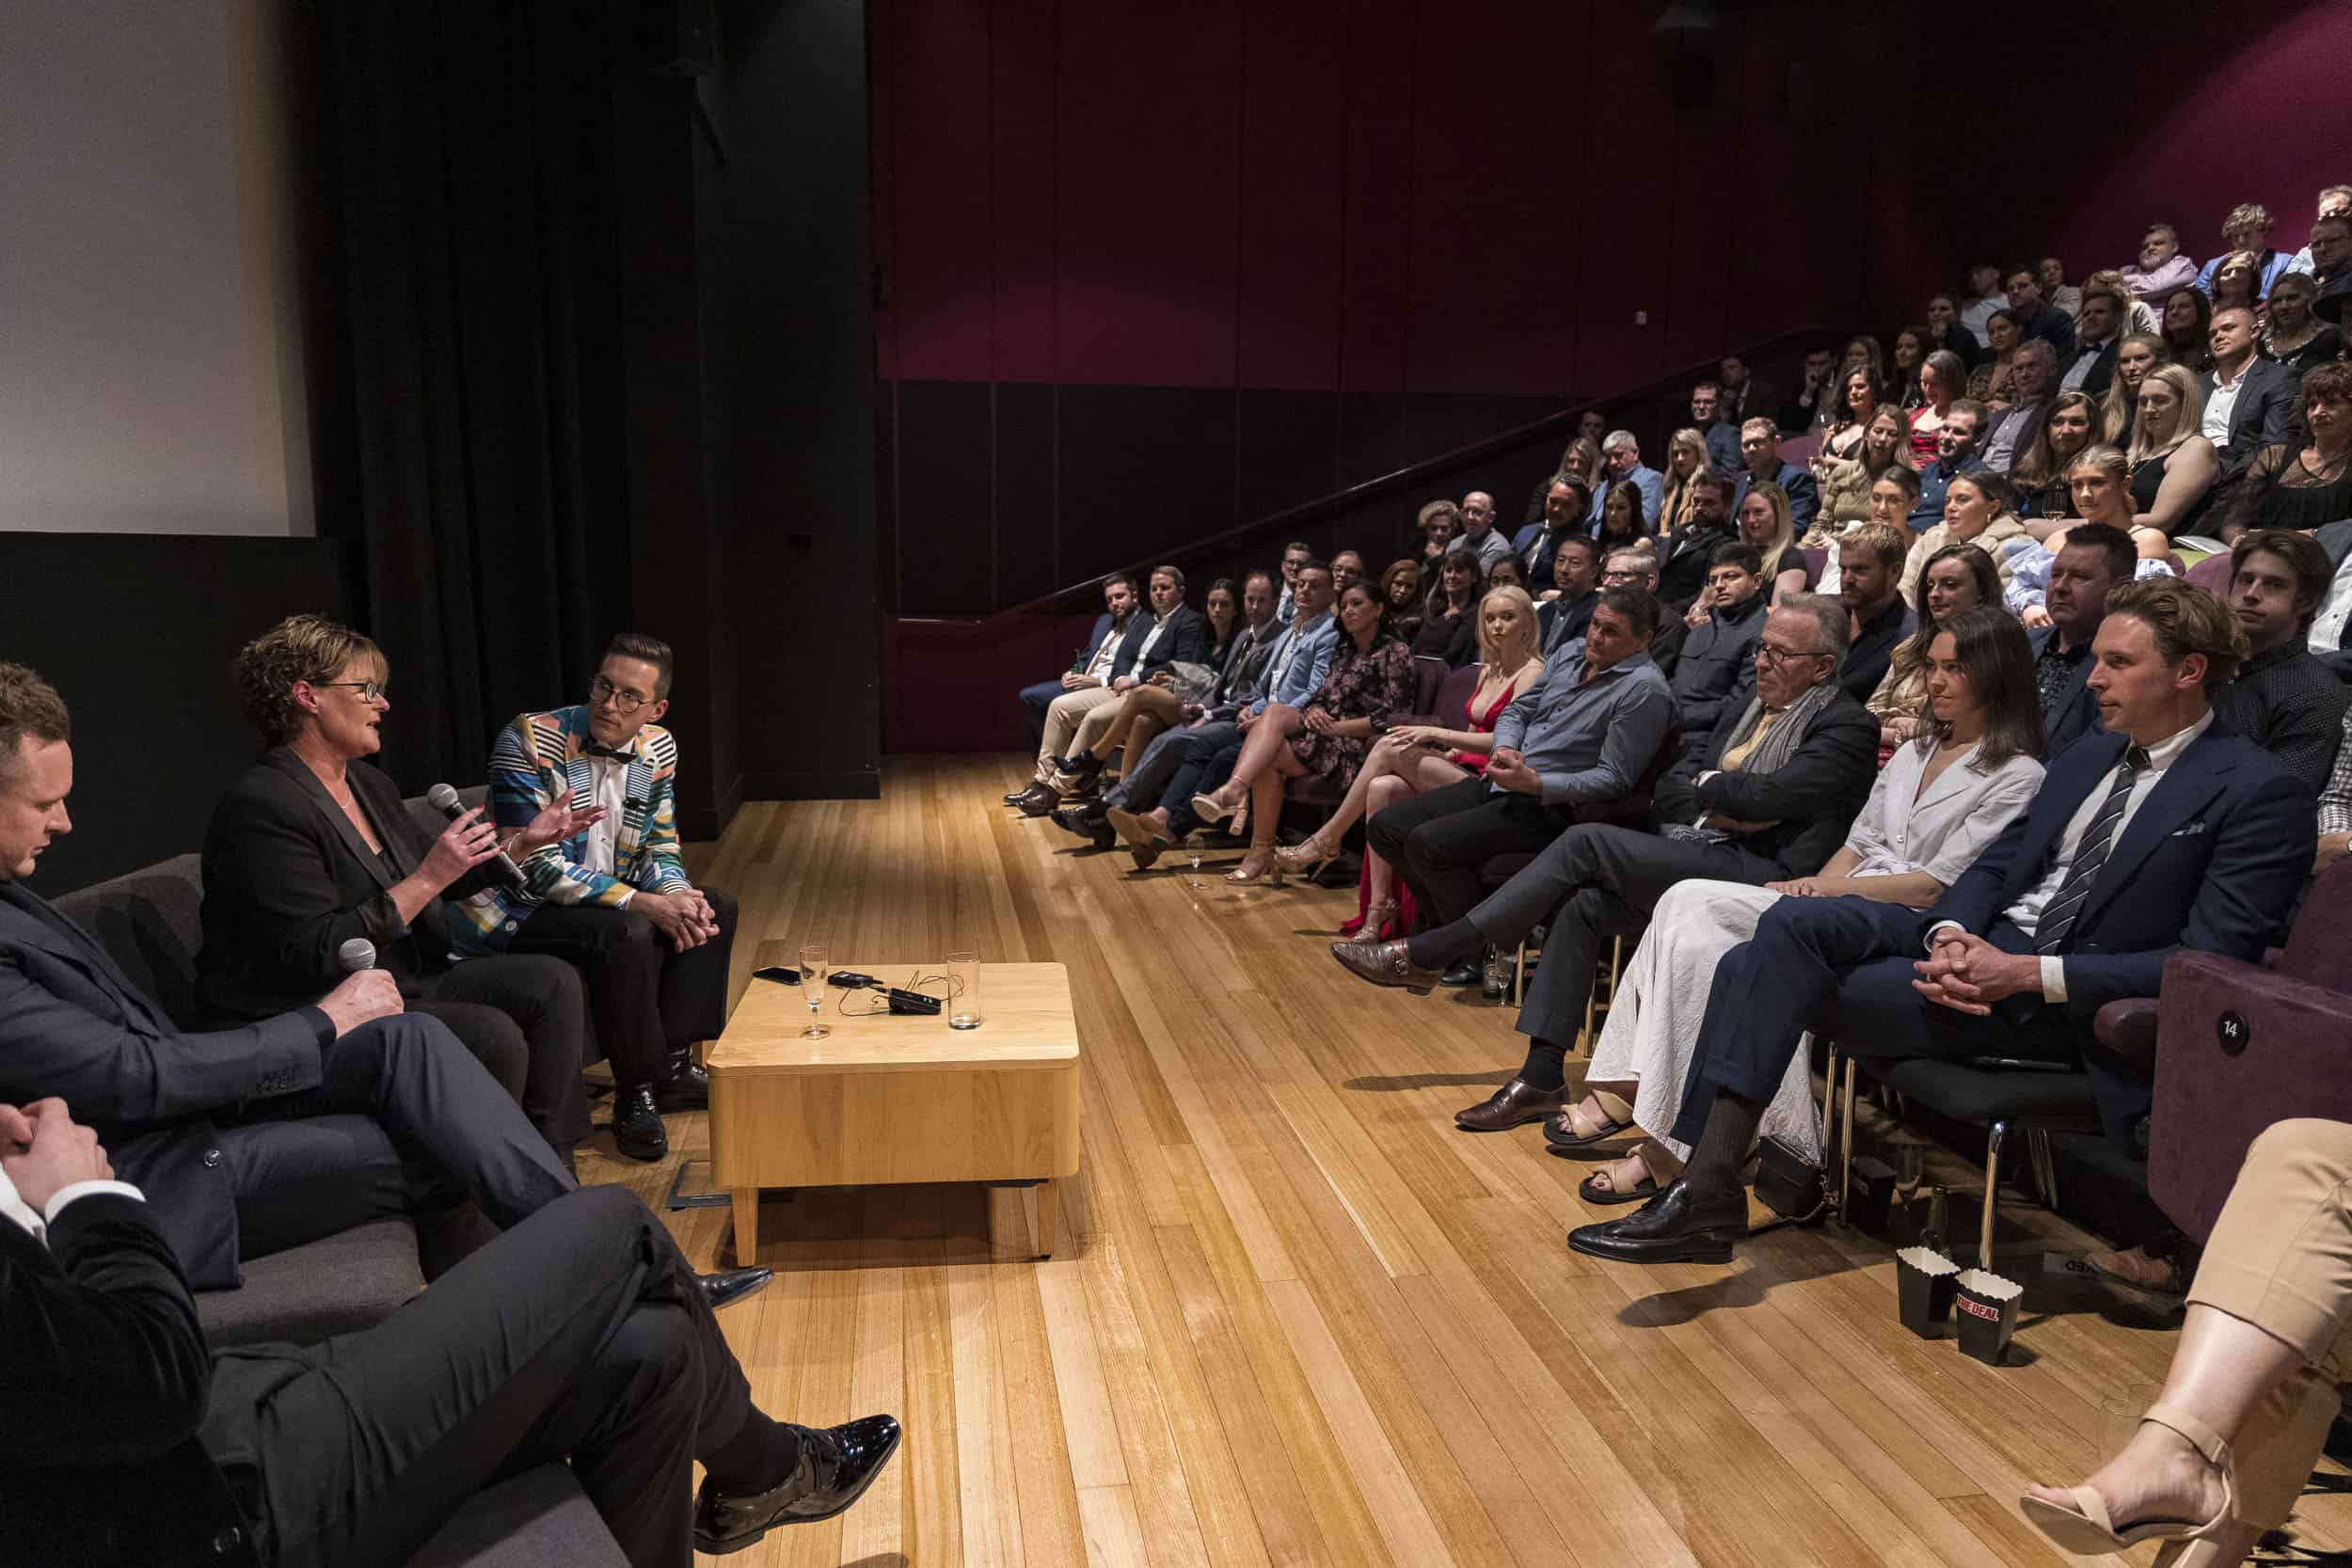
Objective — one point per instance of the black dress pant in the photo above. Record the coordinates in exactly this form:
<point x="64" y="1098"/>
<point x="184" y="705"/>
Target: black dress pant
<point x="1844" y="966"/>
<point x="1438" y="841"/>
<point x="580" y="1334"/>
<point x="649" y="1001"/>
<point x="403" y="1122"/>
<point x="525" y="1017"/>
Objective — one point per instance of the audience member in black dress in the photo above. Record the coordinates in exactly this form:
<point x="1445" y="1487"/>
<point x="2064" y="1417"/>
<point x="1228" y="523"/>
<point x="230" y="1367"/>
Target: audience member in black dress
<point x="2187" y="329"/>
<point x="2302" y="484"/>
<point x="1506" y="573"/>
<point x="1401" y="597"/>
<point x="1903" y="363"/>
<point x="2071" y="424"/>
<point x="1622" y="521"/>
<point x="2292" y="335"/>
<point x="2174" y="466"/>
<point x="312" y="847"/>
<point x="1449" y="625"/>
<point x="2283" y="698"/>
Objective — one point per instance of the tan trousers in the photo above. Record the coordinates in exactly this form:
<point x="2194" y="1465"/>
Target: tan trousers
<point x="2280" y="1259"/>
<point x="1064" y="719"/>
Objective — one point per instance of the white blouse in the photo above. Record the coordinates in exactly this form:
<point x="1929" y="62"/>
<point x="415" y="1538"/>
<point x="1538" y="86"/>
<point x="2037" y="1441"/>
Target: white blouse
<point x="1943" y="831"/>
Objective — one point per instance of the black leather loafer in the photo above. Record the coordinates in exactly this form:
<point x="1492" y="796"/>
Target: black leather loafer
<point x="637" y="1130"/>
<point x="687" y="1088"/>
<point x="1468" y="972"/>
<point x="1088" y="826"/>
<point x="1515" y="1104"/>
<point x="729" y="1286"/>
<point x="1679" y="1225"/>
<point x="838" y="1465"/>
<point x="1041" y="798"/>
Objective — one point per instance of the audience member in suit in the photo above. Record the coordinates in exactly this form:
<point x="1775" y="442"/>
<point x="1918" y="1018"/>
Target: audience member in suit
<point x="2330" y="634"/>
<point x="1771" y="799"/>
<point x="2098" y="333"/>
<point x="1448" y="623"/>
<point x="1580" y="460"/>
<point x="1155" y="712"/>
<point x="1479" y="534"/>
<point x="256" y="1138"/>
<point x="577" y="1336"/>
<point x="1761" y="464"/>
<point x="1059" y="705"/>
<point x="2094" y="560"/>
<point x="2037" y="318"/>
<point x="2162" y="834"/>
<point x="1370" y="681"/>
<point x="2033" y="379"/>
<point x="1719" y="645"/>
<point x="1567" y="503"/>
<point x="1575" y="573"/>
<point x="1297" y="554"/>
<point x="1412" y="759"/>
<point x="1627" y="568"/>
<point x="614" y="900"/>
<point x="2283" y="698"/>
<point x="1293" y="671"/>
<point x="1720" y="434"/>
<point x="1582" y="737"/>
<point x="2305" y="482"/>
<point x="1174" y="633"/>
<point x="1687" y="558"/>
<point x="1939" y="800"/>
<point x="312" y="847"/>
<point x="1745" y="396"/>
<point x="1621" y="461"/>
<point x="1870" y="562"/>
<point x="2249" y="401"/>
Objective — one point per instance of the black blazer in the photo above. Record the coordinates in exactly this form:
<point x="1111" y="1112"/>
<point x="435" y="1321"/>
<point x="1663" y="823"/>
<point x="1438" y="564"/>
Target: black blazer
<point x="1811" y="801"/>
<point x="1185" y="640"/>
<point x="2102" y="373"/>
<point x="2075" y="714"/>
<point x="288" y="880"/>
<point x="2263" y="414"/>
<point x="98" y="1460"/>
<point x="73" y="1025"/>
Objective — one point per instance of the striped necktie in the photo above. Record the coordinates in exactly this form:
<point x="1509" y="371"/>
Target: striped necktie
<point x="2058" y="919"/>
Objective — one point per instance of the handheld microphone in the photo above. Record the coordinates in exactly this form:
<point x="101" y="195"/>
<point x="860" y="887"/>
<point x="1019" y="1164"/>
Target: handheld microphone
<point x="500" y="867"/>
<point x="356" y="955"/>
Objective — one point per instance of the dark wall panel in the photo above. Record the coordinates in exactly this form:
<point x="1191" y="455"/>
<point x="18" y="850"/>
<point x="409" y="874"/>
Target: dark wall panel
<point x="1026" y="480"/>
<point x="946" y="555"/>
<point x="1144" y="469"/>
<point x="138" y="631"/>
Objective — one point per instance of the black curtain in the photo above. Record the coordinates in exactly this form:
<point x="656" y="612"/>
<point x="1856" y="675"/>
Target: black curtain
<point x="474" y="415"/>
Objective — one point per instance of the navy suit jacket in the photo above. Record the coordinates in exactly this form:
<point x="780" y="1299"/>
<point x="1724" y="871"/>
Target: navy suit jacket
<point x="2212" y="860"/>
<point x="73" y="1025"/>
<point x="2076" y="712"/>
<point x="1137" y="625"/>
<point x="1804" y="498"/>
<point x="1187" y="638"/>
<point x="2263" y="415"/>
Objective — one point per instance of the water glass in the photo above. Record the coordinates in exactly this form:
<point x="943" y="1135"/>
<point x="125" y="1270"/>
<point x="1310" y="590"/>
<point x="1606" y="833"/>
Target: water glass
<point x="963" y="991"/>
<point x="813" y="989"/>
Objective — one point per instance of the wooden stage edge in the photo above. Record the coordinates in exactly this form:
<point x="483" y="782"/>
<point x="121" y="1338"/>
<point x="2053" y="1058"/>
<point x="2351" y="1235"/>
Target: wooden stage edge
<point x="1293" y="1317"/>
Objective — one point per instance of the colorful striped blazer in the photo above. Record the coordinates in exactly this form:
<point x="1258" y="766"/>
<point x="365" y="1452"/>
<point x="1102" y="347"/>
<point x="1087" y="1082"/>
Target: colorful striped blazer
<point x="541" y="757"/>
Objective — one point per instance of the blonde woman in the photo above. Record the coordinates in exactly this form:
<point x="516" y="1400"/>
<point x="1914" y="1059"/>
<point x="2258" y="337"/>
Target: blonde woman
<point x="1766" y="522"/>
<point x="2135" y="356"/>
<point x="1686" y="458"/>
<point x="2173" y="464"/>
<point x="1413" y="758"/>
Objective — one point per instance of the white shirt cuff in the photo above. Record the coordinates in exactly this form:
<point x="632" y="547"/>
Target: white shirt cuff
<point x="67" y="1193"/>
<point x="1933" y="931"/>
<point x="2052" y="977"/>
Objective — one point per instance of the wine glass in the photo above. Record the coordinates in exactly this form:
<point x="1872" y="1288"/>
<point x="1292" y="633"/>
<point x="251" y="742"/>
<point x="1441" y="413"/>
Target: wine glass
<point x="812" y="988"/>
<point x="1192" y="853"/>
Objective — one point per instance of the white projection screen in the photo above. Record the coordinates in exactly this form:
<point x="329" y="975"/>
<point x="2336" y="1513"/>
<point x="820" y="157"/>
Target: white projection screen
<point x="151" y="366"/>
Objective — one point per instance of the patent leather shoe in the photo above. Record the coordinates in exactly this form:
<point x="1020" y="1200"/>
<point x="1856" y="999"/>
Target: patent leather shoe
<point x="687" y="1088"/>
<point x="637" y="1130"/>
<point x="1384" y="963"/>
<point x="1085" y="765"/>
<point x="729" y="1286"/>
<point x="838" y="1465"/>
<point x="1515" y="1104"/>
<point x="1089" y="826"/>
<point x="1468" y="972"/>
<point x="1680" y="1224"/>
<point x="1038" y="799"/>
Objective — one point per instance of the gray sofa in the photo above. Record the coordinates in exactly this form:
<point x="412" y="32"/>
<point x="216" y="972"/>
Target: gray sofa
<point x="149" y="921"/>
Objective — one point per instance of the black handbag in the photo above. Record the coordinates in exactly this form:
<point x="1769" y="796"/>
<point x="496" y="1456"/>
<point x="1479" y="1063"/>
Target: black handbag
<point x="1790" y="1184"/>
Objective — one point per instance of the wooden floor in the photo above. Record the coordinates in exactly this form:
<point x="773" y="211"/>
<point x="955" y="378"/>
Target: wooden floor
<point x="1293" y="1317"/>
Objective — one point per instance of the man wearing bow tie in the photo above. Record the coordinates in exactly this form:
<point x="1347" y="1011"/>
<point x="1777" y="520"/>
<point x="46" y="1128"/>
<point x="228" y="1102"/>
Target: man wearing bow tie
<point x="615" y="898"/>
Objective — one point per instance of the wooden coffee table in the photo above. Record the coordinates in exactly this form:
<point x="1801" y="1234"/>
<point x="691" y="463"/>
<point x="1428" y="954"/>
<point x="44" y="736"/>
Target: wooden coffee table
<point x="896" y="1099"/>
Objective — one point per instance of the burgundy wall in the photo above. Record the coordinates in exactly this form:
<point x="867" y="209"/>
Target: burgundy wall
<point x="1155" y="270"/>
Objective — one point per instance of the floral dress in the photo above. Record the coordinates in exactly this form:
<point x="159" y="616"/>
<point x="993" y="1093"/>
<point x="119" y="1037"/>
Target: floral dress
<point x="1375" y="682"/>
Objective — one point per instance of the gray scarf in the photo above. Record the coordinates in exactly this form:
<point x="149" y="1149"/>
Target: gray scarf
<point x="1772" y="753"/>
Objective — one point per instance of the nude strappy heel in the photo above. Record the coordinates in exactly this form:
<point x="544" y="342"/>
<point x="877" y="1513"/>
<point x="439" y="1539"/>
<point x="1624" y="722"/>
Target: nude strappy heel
<point x="2087" y="1529"/>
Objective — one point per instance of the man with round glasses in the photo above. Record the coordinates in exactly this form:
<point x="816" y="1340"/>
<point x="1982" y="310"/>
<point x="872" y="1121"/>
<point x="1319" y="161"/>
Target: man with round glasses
<point x="615" y="898"/>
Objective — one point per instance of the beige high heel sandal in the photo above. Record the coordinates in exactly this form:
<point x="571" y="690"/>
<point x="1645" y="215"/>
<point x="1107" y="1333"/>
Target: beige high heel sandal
<point x="2087" y="1529"/>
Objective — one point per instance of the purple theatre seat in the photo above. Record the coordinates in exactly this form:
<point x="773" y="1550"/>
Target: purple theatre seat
<point x="2240" y="1046"/>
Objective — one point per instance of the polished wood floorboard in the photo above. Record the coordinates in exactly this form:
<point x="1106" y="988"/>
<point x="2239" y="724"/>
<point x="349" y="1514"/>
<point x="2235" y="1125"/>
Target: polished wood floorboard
<point x="1292" y="1316"/>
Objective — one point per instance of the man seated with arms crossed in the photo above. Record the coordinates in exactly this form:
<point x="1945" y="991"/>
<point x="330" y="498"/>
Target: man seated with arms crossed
<point x="1770" y="798"/>
<point x="2162" y="833"/>
<point x="1582" y="735"/>
<point x="614" y="900"/>
<point x="255" y="1139"/>
<point x="579" y="1334"/>
<point x="1061" y="704"/>
<point x="1719" y="644"/>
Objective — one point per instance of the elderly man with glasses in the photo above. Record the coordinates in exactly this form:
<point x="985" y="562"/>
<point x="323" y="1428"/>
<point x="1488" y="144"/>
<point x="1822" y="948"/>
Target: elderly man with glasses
<point x="615" y="898"/>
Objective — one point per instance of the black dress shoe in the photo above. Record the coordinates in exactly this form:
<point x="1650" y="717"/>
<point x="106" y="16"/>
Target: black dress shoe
<point x="637" y="1128"/>
<point x="1085" y="765"/>
<point x="837" y="1466"/>
<point x="1468" y="972"/>
<point x="1039" y="800"/>
<point x="729" y="1286"/>
<point x="1679" y="1225"/>
<point x="1094" y="828"/>
<point x="1014" y="798"/>
<point x="1515" y="1104"/>
<point x="687" y="1088"/>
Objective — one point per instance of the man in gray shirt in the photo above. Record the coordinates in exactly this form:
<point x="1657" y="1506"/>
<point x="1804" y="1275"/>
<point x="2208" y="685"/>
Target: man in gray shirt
<point x="1479" y="534"/>
<point x="1582" y="735"/>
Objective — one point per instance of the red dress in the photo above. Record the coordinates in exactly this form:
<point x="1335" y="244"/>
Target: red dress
<point x="1476" y="762"/>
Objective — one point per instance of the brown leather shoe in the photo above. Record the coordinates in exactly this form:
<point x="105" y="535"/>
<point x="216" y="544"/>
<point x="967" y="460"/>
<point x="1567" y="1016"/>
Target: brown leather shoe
<point x="1515" y="1104"/>
<point x="1384" y="963"/>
